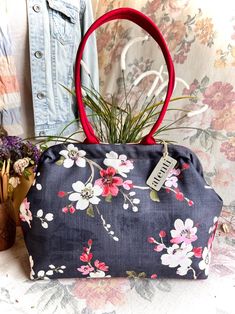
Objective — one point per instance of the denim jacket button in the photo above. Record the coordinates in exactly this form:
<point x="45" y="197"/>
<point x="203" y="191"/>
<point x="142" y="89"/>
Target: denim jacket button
<point x="37" y="8"/>
<point x="40" y="95"/>
<point x="38" y="54"/>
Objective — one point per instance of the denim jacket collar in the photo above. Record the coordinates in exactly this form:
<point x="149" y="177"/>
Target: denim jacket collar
<point x="66" y="8"/>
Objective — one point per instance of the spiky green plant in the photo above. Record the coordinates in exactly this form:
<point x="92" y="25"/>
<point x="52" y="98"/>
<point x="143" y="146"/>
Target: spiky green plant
<point x="114" y="123"/>
<point x="120" y="123"/>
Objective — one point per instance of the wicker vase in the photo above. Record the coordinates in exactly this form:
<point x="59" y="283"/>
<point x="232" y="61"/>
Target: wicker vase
<point x="20" y="193"/>
<point x="7" y="225"/>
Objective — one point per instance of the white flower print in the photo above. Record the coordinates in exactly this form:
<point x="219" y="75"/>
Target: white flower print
<point x="205" y="262"/>
<point x="85" y="194"/>
<point x="98" y="274"/>
<point x="130" y="200"/>
<point x="178" y="256"/>
<point x="212" y="228"/>
<point x="182" y="271"/>
<point x="52" y="269"/>
<point x="182" y="253"/>
<point x="73" y="155"/>
<point x="44" y="220"/>
<point x="42" y="274"/>
<point x="38" y="186"/>
<point x="120" y="163"/>
<point x="31" y="262"/>
<point x="184" y="232"/>
<point x="172" y="179"/>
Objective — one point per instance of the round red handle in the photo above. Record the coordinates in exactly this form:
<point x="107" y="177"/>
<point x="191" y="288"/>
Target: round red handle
<point x="149" y="26"/>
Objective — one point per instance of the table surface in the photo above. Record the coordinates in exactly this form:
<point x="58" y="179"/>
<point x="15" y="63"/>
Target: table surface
<point x="117" y="296"/>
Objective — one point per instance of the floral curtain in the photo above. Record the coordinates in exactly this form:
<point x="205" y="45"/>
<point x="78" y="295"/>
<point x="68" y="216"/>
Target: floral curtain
<point x="201" y="38"/>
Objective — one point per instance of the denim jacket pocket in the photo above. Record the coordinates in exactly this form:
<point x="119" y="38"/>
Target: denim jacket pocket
<point x="63" y="19"/>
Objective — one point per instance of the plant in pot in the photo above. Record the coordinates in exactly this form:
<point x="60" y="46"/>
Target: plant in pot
<point x="18" y="160"/>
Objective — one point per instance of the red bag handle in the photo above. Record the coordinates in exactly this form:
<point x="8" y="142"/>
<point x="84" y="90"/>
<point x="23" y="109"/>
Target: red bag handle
<point x="149" y="26"/>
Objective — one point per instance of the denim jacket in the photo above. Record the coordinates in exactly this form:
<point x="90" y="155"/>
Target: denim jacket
<point x="55" y="31"/>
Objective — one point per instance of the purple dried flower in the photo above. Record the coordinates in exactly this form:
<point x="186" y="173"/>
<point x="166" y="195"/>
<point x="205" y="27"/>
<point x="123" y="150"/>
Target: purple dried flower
<point x="4" y="153"/>
<point x="15" y="148"/>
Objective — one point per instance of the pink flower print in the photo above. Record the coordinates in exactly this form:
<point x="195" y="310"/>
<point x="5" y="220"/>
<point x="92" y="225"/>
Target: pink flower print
<point x="86" y="258"/>
<point x="159" y="247"/>
<point x="223" y="177"/>
<point x="224" y="120"/>
<point x="174" y="34"/>
<point x="65" y="210"/>
<point x="89" y="242"/>
<point x="120" y="163"/>
<point x="99" y="295"/>
<point x="180" y="196"/>
<point x="25" y="213"/>
<point x="190" y="203"/>
<point x="229" y="149"/>
<point x="109" y="182"/>
<point x="192" y="88"/>
<point x="61" y="194"/>
<point x="172" y="179"/>
<point x="127" y="185"/>
<point x="151" y="240"/>
<point x="151" y="7"/>
<point x="162" y="234"/>
<point x="218" y="95"/>
<point x="101" y="265"/>
<point x="175" y="172"/>
<point x="85" y="269"/>
<point x="72" y="209"/>
<point x="185" y="166"/>
<point x="95" y="271"/>
<point x="197" y="252"/>
<point x="184" y="232"/>
<point x="153" y="276"/>
<point x="181" y="57"/>
<point x="86" y="249"/>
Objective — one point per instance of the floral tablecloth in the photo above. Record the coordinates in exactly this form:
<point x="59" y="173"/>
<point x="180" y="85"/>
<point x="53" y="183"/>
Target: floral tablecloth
<point x="215" y="295"/>
<point x="201" y="38"/>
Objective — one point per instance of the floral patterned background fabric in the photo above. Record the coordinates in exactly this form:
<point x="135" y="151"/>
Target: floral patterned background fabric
<point x="201" y="38"/>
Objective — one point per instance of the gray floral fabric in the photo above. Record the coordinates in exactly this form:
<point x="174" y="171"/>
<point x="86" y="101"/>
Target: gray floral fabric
<point x="91" y="214"/>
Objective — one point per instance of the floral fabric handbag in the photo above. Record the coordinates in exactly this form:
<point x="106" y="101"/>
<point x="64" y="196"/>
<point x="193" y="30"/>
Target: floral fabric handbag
<point x="94" y="210"/>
